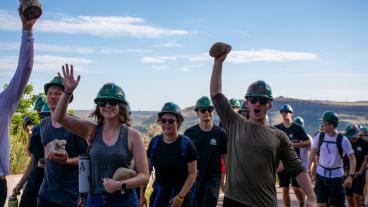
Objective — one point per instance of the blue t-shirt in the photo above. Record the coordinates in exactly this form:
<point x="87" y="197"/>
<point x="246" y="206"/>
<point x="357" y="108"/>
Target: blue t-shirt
<point x="60" y="184"/>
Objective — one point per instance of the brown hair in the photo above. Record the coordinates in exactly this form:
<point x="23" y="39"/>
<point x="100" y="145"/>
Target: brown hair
<point x="124" y="115"/>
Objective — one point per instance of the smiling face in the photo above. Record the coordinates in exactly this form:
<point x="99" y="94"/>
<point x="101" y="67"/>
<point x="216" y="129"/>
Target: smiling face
<point x="53" y="96"/>
<point x="286" y="115"/>
<point x="108" y="108"/>
<point x="169" y="124"/>
<point x="258" y="107"/>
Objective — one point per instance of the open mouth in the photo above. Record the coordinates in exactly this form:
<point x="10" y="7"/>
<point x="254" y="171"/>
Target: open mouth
<point x="257" y="111"/>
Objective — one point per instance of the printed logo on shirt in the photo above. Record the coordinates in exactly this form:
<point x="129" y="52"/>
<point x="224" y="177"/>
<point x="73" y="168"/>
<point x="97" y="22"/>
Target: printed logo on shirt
<point x="213" y="142"/>
<point x="359" y="149"/>
<point x="291" y="136"/>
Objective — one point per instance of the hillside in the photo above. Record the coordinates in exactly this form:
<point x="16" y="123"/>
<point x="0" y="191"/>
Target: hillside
<point x="310" y="110"/>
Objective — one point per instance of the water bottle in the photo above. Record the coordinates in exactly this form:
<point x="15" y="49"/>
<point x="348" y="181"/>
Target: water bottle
<point x="31" y="9"/>
<point x="84" y="173"/>
<point x="13" y="201"/>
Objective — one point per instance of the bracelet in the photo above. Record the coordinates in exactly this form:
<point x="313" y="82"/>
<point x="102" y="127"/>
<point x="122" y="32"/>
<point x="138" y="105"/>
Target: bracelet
<point x="179" y="198"/>
<point x="68" y="93"/>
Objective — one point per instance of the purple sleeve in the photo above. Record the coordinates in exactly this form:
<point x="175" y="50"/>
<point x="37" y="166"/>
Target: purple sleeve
<point x="10" y="97"/>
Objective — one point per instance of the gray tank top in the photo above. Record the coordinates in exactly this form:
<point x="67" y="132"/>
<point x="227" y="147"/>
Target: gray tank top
<point x="106" y="159"/>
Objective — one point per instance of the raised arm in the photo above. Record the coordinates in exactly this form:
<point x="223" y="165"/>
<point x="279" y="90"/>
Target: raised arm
<point x="216" y="81"/>
<point x="11" y="95"/>
<point x="82" y="128"/>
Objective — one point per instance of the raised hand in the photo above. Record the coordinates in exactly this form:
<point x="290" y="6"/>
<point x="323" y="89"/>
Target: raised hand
<point x="27" y="25"/>
<point x="70" y="83"/>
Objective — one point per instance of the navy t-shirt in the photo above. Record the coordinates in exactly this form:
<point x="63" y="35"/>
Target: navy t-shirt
<point x="210" y="146"/>
<point x="170" y="166"/>
<point x="295" y="133"/>
<point x="36" y="149"/>
<point x="60" y="184"/>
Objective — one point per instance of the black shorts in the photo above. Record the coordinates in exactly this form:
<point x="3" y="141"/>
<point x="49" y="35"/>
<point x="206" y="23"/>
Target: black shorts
<point x="330" y="190"/>
<point x="357" y="186"/>
<point x="285" y="179"/>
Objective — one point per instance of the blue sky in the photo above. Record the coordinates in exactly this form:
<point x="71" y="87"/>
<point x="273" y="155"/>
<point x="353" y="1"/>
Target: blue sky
<point x="157" y="51"/>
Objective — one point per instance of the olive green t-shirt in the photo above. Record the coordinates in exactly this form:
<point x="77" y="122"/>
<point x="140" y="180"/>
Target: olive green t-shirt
<point x="253" y="155"/>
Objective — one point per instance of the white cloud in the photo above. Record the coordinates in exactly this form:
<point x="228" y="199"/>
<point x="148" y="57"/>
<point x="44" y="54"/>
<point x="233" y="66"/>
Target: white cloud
<point x="263" y="55"/>
<point x="46" y="63"/>
<point x="169" y="44"/>
<point x="190" y="68"/>
<point x="269" y="55"/>
<point x="157" y="59"/>
<point x="102" y="26"/>
<point x="70" y="48"/>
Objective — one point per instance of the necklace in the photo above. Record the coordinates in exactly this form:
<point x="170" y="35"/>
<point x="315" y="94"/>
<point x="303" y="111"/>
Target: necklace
<point x="169" y="140"/>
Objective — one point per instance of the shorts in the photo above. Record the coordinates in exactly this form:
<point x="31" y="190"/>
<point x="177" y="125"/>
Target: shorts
<point x="330" y="190"/>
<point x="357" y="186"/>
<point x="285" y="179"/>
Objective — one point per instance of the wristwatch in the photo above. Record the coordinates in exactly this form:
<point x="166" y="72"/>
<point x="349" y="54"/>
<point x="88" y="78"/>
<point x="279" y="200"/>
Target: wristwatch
<point x="123" y="187"/>
<point x="351" y="174"/>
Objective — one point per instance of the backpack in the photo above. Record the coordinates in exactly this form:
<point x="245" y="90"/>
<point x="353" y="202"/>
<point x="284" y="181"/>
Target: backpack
<point x="185" y="142"/>
<point x="338" y="143"/>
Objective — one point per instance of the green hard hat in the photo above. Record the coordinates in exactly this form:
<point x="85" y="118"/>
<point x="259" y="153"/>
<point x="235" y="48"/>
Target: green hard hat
<point x="243" y="107"/>
<point x="259" y="88"/>
<point x="235" y="103"/>
<point x="330" y="117"/>
<point x="287" y="108"/>
<point x="56" y="81"/>
<point x="111" y="91"/>
<point x="45" y="109"/>
<point x="363" y="131"/>
<point x="203" y="102"/>
<point x="171" y="108"/>
<point x="299" y="120"/>
<point x="351" y="131"/>
<point x="40" y="101"/>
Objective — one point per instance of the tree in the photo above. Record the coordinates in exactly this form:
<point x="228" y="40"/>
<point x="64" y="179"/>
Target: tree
<point x="18" y="138"/>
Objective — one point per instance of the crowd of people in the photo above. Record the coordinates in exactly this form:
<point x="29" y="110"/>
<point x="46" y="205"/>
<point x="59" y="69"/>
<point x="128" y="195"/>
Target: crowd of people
<point x="242" y="156"/>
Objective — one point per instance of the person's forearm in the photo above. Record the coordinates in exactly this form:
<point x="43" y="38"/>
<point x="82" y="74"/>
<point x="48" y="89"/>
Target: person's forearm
<point x="364" y="165"/>
<point x="306" y="185"/>
<point x="17" y="85"/>
<point x="216" y="85"/>
<point x="352" y="164"/>
<point x="311" y="158"/>
<point x="59" y="115"/>
<point x="187" y="185"/>
<point x="302" y="144"/>
<point x="26" y="173"/>
<point x="73" y="161"/>
<point x="140" y="180"/>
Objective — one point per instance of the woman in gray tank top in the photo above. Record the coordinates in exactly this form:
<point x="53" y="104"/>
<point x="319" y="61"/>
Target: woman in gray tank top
<point x="113" y="143"/>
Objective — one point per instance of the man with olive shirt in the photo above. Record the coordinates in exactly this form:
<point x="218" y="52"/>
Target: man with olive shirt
<point x="253" y="145"/>
<point x="299" y="139"/>
<point x="211" y="144"/>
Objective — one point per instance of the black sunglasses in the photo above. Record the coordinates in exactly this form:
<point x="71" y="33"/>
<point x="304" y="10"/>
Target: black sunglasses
<point x="203" y="110"/>
<point x="261" y="100"/>
<point x="169" y="121"/>
<point x="103" y="103"/>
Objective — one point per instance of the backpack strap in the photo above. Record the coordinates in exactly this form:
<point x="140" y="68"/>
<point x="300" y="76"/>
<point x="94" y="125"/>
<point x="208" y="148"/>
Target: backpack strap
<point x="338" y="144"/>
<point x="320" y="141"/>
<point x="154" y="144"/>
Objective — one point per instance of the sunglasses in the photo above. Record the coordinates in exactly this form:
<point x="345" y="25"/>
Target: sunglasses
<point x="261" y="100"/>
<point x="204" y="110"/>
<point x="103" y="103"/>
<point x="169" y="121"/>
